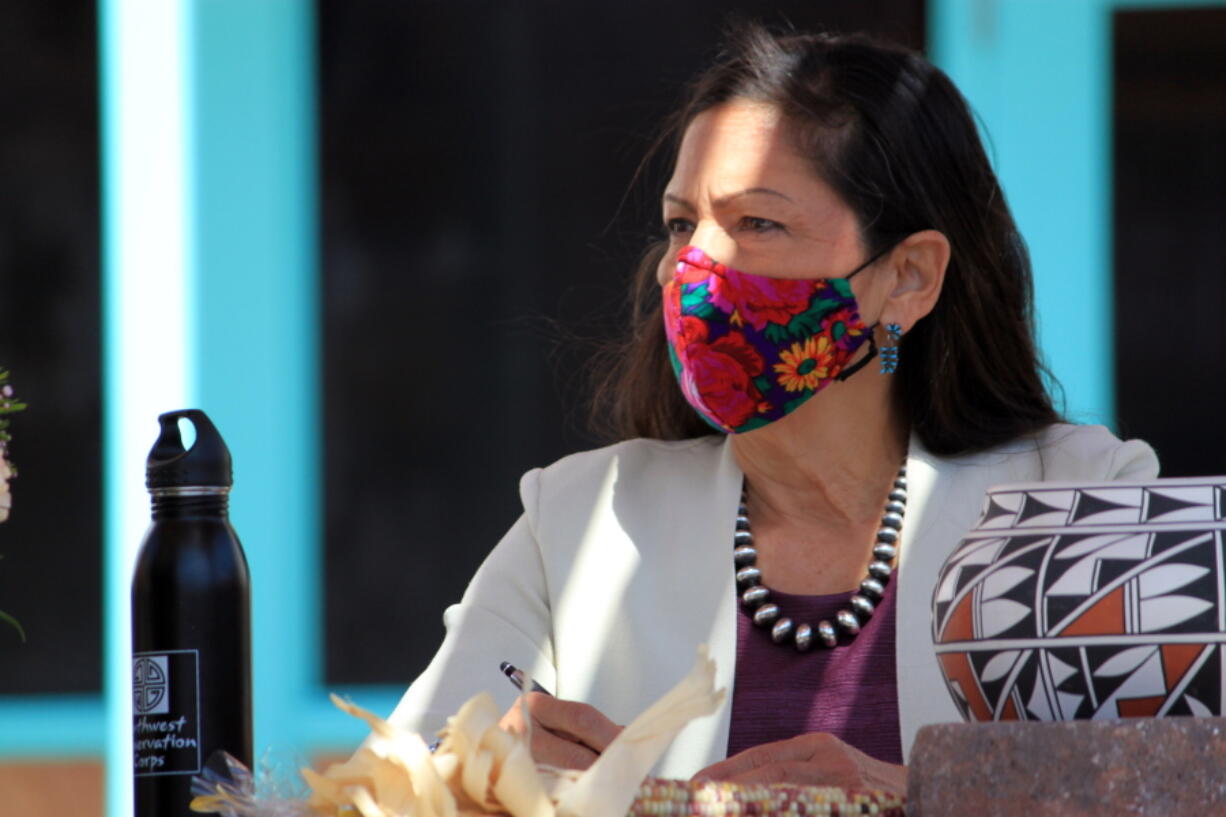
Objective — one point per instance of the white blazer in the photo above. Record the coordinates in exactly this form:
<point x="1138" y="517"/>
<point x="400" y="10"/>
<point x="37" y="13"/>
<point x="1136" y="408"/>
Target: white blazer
<point x="621" y="565"/>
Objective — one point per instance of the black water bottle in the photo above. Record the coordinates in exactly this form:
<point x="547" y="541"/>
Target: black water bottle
<point x="191" y="622"/>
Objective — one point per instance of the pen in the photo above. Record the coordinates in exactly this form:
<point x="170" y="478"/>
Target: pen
<point x="517" y="677"/>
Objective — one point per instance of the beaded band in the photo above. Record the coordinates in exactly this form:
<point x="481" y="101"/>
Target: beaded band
<point x="766" y="614"/>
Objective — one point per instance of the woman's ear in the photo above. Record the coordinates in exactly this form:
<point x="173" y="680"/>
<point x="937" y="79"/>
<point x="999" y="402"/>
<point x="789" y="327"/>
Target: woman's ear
<point x="919" y="263"/>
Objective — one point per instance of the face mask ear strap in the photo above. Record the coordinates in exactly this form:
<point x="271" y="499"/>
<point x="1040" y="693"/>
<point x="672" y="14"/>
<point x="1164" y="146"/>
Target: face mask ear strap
<point x="868" y="263"/>
<point x="862" y="362"/>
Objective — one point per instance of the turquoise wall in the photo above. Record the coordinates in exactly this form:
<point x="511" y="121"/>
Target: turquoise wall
<point x="1038" y="74"/>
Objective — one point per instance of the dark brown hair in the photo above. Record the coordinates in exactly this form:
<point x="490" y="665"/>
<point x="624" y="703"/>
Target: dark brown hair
<point x="894" y="138"/>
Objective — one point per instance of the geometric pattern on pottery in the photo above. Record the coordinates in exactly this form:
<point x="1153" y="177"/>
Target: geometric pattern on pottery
<point x="1072" y="602"/>
<point x="1104" y="505"/>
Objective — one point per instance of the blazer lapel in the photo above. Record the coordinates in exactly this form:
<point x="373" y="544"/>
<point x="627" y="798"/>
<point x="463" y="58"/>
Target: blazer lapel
<point x="708" y="601"/>
<point x="931" y="487"/>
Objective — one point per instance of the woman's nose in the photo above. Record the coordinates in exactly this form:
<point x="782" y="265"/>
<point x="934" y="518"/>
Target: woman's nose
<point x="712" y="240"/>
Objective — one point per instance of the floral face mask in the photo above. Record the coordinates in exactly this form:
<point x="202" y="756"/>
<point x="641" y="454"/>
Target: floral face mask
<point x="748" y="349"/>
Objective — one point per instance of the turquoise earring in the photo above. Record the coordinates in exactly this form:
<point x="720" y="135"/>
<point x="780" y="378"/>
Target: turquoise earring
<point x="889" y="354"/>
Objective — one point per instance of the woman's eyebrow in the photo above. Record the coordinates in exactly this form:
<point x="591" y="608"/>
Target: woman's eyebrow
<point x="749" y="191"/>
<point x="723" y="201"/>
<point x="680" y="202"/>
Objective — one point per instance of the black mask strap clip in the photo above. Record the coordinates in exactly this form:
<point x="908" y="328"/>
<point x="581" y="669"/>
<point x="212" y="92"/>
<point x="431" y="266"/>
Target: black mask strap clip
<point x="872" y="344"/>
<point x="862" y="362"/>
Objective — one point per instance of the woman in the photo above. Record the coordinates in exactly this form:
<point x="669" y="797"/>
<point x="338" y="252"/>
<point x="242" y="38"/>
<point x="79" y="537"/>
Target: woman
<point x="830" y="203"/>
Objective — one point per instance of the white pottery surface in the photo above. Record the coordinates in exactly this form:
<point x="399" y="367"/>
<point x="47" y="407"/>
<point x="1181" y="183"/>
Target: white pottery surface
<point x="1079" y="601"/>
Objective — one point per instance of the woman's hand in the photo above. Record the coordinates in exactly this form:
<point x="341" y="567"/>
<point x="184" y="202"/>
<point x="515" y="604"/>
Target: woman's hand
<point x="566" y="734"/>
<point x="818" y="759"/>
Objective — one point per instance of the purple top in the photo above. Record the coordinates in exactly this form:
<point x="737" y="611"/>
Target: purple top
<point x="849" y="691"/>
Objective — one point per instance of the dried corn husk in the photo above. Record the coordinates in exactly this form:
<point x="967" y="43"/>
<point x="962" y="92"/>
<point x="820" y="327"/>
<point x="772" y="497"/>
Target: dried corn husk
<point x="480" y="768"/>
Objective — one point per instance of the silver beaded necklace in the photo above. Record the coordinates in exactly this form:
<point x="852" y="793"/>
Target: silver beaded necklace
<point x="766" y="614"/>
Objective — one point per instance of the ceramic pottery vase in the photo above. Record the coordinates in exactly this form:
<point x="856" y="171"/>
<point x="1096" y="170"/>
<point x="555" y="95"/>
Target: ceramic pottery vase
<point x="1083" y="601"/>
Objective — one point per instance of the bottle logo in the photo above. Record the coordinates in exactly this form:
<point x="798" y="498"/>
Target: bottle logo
<point x="149" y="685"/>
<point x="166" y="712"/>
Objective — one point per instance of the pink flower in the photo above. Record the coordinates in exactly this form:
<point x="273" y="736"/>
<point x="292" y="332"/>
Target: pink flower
<point x="722" y="378"/>
<point x="755" y="298"/>
<point x="6" y="499"/>
<point x="760" y="300"/>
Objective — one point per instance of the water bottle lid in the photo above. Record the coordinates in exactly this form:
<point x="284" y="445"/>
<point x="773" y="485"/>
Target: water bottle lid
<point x="206" y="463"/>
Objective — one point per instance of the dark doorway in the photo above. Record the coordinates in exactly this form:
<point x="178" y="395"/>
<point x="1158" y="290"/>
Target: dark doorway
<point x="475" y="157"/>
<point x="1170" y="234"/>
<point x="51" y="340"/>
